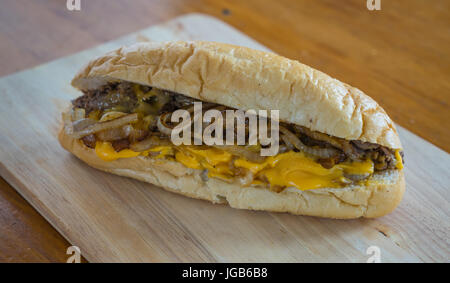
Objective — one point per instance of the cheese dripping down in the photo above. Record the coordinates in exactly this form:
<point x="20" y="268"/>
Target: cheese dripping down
<point x="289" y="169"/>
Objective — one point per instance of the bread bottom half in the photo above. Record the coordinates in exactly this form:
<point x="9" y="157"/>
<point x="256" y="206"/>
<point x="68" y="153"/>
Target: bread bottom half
<point x="383" y="193"/>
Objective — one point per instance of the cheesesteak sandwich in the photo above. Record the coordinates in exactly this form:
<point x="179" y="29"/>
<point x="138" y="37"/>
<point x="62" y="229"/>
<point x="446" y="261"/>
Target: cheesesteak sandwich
<point x="339" y="153"/>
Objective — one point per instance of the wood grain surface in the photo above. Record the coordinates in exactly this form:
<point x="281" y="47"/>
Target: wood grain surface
<point x="399" y="56"/>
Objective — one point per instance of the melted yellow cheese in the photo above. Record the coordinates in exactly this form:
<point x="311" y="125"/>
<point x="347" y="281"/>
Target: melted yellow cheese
<point x="188" y="160"/>
<point x="106" y="152"/>
<point x="163" y="150"/>
<point x="398" y="157"/>
<point x="212" y="155"/>
<point x="143" y="108"/>
<point x="252" y="166"/>
<point x="216" y="161"/>
<point x="294" y="169"/>
<point x="290" y="169"/>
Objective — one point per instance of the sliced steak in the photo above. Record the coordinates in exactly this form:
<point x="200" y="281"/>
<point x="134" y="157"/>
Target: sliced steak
<point x="108" y="96"/>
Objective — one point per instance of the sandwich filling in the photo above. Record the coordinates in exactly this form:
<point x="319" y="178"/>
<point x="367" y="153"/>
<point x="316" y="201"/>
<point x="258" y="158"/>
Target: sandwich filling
<point x="123" y="120"/>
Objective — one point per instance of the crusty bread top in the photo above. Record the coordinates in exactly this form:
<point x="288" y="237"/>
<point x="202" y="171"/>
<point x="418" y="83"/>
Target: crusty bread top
<point x="244" y="78"/>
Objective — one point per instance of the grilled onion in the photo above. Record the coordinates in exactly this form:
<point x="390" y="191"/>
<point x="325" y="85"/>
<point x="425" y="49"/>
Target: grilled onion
<point x="148" y="143"/>
<point x="137" y="135"/>
<point x="287" y="143"/>
<point x="342" y="144"/>
<point x="242" y="151"/>
<point x="292" y="139"/>
<point x="82" y="124"/>
<point x="102" y="126"/>
<point x="247" y="179"/>
<point x="319" y="136"/>
<point x="115" y="134"/>
<point x="111" y="116"/>
<point x="355" y="177"/>
<point x="67" y="119"/>
<point x="165" y="128"/>
<point x="319" y="152"/>
<point x="366" y="145"/>
<point x="78" y="113"/>
<point x="162" y="124"/>
<point x="322" y="152"/>
<point x="351" y="151"/>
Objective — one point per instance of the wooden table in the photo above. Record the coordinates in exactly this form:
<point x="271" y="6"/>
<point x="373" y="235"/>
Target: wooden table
<point x="399" y="56"/>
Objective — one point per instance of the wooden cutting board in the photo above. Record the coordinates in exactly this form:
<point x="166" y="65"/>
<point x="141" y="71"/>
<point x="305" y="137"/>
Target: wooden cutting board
<point x="115" y="219"/>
